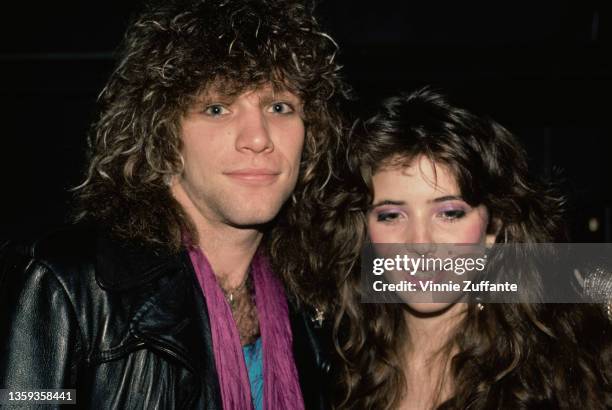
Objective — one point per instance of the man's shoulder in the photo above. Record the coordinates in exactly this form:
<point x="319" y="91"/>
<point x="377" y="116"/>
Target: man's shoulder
<point x="86" y="250"/>
<point x="68" y="253"/>
<point x="69" y="243"/>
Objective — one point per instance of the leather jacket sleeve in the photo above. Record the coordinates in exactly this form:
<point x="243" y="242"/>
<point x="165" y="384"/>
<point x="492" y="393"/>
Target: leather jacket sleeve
<point x="40" y="342"/>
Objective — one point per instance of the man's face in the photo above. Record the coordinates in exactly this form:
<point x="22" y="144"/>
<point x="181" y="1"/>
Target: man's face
<point x="242" y="156"/>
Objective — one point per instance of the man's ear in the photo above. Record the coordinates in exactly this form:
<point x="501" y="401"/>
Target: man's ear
<point x="494" y="228"/>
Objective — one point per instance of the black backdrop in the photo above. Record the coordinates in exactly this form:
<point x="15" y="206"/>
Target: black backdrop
<point x="542" y="68"/>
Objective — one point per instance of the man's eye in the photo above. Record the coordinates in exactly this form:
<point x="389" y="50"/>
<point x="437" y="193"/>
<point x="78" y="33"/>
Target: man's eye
<point x="281" y="108"/>
<point x="216" y="110"/>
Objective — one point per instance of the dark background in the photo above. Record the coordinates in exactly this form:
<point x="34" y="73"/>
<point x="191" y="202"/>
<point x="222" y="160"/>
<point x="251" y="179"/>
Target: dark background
<point x="542" y="68"/>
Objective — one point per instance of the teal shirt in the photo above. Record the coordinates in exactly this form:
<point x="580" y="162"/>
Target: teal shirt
<point x="253" y="357"/>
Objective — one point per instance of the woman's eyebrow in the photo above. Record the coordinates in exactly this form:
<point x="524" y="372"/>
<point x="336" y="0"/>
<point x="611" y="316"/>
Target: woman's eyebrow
<point x="388" y="202"/>
<point x="447" y="198"/>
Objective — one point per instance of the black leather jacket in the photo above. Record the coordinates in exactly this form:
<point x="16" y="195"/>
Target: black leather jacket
<point x="126" y="326"/>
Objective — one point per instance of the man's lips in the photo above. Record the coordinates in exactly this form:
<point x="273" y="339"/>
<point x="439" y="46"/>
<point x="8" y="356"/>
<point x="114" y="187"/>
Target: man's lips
<point x="254" y="175"/>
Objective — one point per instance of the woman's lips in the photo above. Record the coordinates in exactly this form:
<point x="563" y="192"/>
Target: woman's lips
<point x="434" y="276"/>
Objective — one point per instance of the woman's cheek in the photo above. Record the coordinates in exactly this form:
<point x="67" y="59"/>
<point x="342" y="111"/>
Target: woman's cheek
<point x="383" y="234"/>
<point x="375" y="235"/>
<point x="473" y="230"/>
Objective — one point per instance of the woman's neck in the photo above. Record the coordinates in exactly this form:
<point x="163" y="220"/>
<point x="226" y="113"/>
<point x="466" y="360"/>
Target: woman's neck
<point x="428" y="354"/>
<point x="429" y="332"/>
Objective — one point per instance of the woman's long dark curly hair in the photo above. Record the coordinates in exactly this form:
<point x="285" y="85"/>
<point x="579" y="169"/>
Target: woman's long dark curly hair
<point x="171" y="53"/>
<point x="509" y="356"/>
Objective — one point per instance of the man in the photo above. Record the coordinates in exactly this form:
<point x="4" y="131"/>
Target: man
<point x="217" y="132"/>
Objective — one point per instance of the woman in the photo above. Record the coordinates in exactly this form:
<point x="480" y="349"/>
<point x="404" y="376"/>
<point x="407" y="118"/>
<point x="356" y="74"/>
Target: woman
<point x="435" y="173"/>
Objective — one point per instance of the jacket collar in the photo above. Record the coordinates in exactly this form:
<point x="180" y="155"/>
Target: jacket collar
<point x="123" y="265"/>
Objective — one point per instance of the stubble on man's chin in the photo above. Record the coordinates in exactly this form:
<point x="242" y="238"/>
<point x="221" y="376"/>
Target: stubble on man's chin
<point x="260" y="223"/>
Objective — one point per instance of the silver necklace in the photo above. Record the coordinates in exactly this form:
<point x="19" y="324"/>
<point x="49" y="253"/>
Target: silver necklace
<point x="230" y="293"/>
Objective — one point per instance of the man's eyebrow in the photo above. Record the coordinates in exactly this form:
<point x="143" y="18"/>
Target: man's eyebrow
<point x="282" y="94"/>
<point x="213" y="96"/>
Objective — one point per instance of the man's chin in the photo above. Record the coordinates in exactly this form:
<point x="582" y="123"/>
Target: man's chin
<point x="253" y="220"/>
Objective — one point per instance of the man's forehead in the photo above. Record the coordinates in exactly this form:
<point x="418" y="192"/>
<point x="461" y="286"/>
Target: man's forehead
<point x="221" y="89"/>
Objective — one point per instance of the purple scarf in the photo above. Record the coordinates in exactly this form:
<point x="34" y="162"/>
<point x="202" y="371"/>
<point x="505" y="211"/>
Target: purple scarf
<point x="281" y="385"/>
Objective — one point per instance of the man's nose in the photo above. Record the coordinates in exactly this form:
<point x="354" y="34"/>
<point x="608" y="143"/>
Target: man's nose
<point x="254" y="133"/>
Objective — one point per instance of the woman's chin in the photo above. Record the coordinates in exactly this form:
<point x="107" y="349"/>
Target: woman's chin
<point x="429" y="308"/>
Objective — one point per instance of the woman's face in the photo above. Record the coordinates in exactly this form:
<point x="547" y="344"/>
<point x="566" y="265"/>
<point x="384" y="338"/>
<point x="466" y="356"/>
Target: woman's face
<point x="422" y="205"/>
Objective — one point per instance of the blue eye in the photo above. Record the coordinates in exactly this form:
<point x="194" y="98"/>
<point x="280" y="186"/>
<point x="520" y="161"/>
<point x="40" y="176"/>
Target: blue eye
<point x="281" y="108"/>
<point x="216" y="110"/>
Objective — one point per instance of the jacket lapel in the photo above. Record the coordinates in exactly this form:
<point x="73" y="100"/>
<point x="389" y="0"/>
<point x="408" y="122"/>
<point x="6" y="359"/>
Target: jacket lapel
<point x="169" y="314"/>
<point x="169" y="311"/>
<point x="311" y="346"/>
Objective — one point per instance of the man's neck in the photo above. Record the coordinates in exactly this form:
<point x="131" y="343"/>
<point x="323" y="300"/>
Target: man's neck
<point x="229" y="249"/>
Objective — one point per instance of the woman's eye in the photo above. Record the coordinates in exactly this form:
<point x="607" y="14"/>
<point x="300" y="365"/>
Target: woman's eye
<point x="452" y="214"/>
<point x="387" y="216"/>
<point x="216" y="110"/>
<point x="281" y="108"/>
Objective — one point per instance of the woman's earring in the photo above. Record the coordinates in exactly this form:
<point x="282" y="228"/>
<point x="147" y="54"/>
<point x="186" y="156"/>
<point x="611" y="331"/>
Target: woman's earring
<point x="479" y="305"/>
